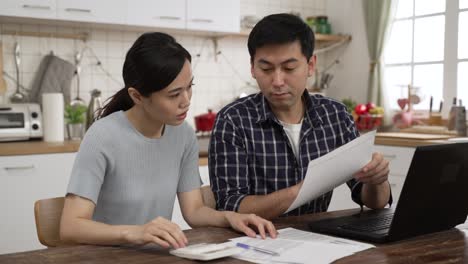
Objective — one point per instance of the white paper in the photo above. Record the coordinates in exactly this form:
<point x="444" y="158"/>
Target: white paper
<point x="297" y="246"/>
<point x="335" y="168"/>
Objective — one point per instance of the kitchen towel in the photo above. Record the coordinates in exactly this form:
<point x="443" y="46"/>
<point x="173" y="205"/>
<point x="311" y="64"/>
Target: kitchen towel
<point x="54" y="75"/>
<point x="52" y="115"/>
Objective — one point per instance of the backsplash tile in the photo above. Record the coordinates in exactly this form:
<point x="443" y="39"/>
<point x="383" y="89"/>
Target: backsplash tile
<point x="218" y="79"/>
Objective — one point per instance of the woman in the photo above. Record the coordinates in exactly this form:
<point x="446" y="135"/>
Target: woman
<point x="139" y="155"/>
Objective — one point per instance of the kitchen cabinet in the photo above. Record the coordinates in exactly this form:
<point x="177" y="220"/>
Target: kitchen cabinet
<point x="156" y="13"/>
<point x="199" y="15"/>
<point x="341" y="199"/>
<point x="26" y="179"/>
<point x="102" y="11"/>
<point x="213" y="15"/>
<point x="176" y="213"/>
<point x="400" y="161"/>
<point x="29" y="8"/>
<point x="399" y="158"/>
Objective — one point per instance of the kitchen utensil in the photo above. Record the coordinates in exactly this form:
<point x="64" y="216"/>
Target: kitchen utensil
<point x="3" y="86"/>
<point x="452" y="114"/>
<point x="460" y="120"/>
<point x="78" y="100"/>
<point x="18" y="96"/>
<point x="205" y="122"/>
<point x="94" y="108"/>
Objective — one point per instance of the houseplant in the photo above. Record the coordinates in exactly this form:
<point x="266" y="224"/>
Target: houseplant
<point x="75" y="118"/>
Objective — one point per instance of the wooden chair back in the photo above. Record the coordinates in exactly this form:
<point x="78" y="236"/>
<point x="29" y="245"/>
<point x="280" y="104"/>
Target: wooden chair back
<point x="208" y="197"/>
<point x="47" y="213"/>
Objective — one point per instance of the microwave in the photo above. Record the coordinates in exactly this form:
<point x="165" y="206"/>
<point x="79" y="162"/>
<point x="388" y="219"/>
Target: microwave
<point x="20" y="122"/>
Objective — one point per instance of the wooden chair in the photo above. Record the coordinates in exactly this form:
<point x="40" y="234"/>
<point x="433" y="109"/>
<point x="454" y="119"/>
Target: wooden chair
<point x="208" y="197"/>
<point x="47" y="213"/>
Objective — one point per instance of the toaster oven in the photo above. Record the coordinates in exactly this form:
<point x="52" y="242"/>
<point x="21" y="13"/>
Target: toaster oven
<point x="20" y="122"/>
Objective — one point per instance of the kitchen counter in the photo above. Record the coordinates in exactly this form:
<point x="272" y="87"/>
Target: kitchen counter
<point x="397" y="139"/>
<point x="41" y="147"/>
<point x="37" y="147"/>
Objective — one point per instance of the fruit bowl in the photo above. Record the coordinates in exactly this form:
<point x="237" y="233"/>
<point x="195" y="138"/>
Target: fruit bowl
<point x="366" y="116"/>
<point x="368" y="121"/>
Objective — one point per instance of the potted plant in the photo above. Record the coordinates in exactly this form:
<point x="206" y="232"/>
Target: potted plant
<point x="75" y="118"/>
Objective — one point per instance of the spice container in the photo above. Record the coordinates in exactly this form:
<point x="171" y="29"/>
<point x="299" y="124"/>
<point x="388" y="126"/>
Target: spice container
<point x="312" y="22"/>
<point x="323" y="27"/>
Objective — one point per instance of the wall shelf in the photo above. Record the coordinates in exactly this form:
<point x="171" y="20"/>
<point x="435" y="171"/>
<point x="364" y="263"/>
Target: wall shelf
<point x="323" y="42"/>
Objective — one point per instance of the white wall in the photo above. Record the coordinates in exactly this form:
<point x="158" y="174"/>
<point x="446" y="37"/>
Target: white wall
<point x="353" y="70"/>
<point x="215" y="82"/>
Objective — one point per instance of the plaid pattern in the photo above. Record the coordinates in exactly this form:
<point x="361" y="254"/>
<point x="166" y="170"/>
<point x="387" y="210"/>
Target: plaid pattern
<point x="250" y="153"/>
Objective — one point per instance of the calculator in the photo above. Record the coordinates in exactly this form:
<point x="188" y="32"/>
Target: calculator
<point x="207" y="251"/>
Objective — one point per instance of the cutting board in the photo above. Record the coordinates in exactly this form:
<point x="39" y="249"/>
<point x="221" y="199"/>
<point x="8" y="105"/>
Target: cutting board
<point x="415" y="136"/>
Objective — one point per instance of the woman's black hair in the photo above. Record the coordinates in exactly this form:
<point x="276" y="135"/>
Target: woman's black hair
<point x="151" y="64"/>
<point x="281" y="29"/>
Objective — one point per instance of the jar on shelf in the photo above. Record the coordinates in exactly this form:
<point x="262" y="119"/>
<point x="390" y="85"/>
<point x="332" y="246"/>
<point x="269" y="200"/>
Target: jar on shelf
<point x="322" y="25"/>
<point x="312" y="22"/>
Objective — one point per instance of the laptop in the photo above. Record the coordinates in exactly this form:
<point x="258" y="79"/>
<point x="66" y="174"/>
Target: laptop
<point x="433" y="199"/>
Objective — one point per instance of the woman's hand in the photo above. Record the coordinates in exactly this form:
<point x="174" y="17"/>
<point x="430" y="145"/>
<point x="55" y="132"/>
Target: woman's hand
<point x="241" y="222"/>
<point x="160" y="231"/>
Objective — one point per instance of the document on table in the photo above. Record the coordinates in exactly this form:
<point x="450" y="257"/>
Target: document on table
<point x="297" y="246"/>
<point x="335" y="168"/>
<point x="464" y="226"/>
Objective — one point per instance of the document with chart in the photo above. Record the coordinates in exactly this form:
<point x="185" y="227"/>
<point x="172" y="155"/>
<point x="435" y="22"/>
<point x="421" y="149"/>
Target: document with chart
<point x="335" y="168"/>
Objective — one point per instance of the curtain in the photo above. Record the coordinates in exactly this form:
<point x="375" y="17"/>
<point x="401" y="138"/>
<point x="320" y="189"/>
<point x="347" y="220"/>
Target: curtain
<point x="378" y="15"/>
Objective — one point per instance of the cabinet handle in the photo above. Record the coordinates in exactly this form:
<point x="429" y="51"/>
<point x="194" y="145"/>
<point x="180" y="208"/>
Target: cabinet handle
<point x="167" y="17"/>
<point x="80" y="10"/>
<point x="390" y="156"/>
<point x="42" y="7"/>
<point x="201" y="20"/>
<point x="27" y="167"/>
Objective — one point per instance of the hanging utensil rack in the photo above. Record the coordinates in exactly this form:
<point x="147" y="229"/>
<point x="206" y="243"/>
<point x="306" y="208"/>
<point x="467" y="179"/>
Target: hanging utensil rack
<point x="79" y="36"/>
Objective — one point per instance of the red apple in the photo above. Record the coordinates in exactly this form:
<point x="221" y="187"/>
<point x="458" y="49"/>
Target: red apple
<point x="360" y="109"/>
<point x="370" y="105"/>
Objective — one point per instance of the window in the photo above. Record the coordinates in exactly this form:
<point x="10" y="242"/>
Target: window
<point x="428" y="48"/>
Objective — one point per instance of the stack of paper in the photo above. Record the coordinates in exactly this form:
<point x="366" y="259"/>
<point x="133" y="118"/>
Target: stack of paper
<point x="296" y="246"/>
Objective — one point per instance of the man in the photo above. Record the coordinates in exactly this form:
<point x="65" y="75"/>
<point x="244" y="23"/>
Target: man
<point x="261" y="145"/>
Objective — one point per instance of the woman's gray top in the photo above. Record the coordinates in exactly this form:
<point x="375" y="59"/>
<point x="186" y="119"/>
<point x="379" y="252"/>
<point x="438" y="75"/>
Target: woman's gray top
<point x="133" y="179"/>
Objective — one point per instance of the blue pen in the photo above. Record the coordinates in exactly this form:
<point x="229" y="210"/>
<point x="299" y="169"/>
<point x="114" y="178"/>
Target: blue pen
<point x="262" y="250"/>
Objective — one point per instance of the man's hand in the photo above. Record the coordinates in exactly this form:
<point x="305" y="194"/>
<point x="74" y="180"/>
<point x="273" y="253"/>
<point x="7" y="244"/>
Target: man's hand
<point x="376" y="189"/>
<point x="375" y="172"/>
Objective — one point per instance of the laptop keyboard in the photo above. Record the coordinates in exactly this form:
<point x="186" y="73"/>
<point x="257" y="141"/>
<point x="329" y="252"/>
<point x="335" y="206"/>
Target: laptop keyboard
<point x="370" y="225"/>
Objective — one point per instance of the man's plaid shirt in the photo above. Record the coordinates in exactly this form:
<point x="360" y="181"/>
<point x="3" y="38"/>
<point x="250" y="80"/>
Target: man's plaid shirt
<point x="250" y="153"/>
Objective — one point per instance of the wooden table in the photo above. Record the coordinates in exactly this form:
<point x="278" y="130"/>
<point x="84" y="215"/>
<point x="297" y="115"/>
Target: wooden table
<point x="444" y="247"/>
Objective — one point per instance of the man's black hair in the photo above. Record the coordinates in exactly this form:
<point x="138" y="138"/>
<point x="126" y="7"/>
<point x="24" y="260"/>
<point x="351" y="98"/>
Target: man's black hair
<point x="281" y="29"/>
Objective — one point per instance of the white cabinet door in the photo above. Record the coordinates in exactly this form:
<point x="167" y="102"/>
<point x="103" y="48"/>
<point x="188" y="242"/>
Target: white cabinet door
<point x="176" y="213"/>
<point x="341" y="199"/>
<point x="156" y="13"/>
<point x="102" y="11"/>
<point x="26" y="179"/>
<point x="29" y="8"/>
<point x="396" y="184"/>
<point x="399" y="158"/>
<point x="213" y="15"/>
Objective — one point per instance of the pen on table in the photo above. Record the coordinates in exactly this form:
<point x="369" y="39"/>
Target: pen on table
<point x="441" y="105"/>
<point x="262" y="250"/>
